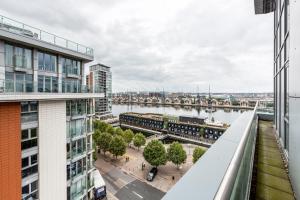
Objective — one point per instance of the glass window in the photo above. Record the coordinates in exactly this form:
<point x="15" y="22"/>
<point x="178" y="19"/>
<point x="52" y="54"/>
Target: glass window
<point x="41" y="60"/>
<point x="20" y="83"/>
<point x="27" y="58"/>
<point x="9" y="52"/>
<point x="53" y="64"/>
<point x="18" y="57"/>
<point x="34" y="186"/>
<point x="25" y="189"/>
<point x="25" y="162"/>
<point x="29" y="83"/>
<point x="41" y="83"/>
<point x="25" y="134"/>
<point x="33" y="133"/>
<point x="28" y="144"/>
<point x="47" y="59"/>
<point x="54" y="84"/>
<point x="47" y="84"/>
<point x="33" y="159"/>
<point x="33" y="105"/>
<point x="24" y="107"/>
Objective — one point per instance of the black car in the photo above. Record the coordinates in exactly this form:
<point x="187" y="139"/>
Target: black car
<point x="152" y="173"/>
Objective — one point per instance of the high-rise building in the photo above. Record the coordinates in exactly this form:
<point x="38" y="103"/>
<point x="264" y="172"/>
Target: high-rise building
<point x="101" y="77"/>
<point x="45" y="115"/>
<point x="251" y="159"/>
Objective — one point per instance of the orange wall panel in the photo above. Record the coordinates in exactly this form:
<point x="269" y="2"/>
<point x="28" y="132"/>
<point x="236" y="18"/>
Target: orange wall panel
<point x="10" y="151"/>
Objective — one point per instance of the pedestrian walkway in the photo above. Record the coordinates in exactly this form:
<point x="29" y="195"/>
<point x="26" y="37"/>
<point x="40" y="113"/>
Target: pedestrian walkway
<point x="272" y="181"/>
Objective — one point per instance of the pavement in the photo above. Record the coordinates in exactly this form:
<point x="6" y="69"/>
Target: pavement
<point x="123" y="186"/>
<point x="126" y="179"/>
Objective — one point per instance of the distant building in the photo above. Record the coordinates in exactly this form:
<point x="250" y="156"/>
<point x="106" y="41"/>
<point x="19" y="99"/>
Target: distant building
<point x="100" y="78"/>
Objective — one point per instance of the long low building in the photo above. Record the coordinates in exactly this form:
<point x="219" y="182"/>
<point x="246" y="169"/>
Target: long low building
<point x="186" y="128"/>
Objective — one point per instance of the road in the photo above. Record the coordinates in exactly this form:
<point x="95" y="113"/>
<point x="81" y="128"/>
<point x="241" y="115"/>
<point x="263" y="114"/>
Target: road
<point x="126" y="187"/>
<point x="138" y="190"/>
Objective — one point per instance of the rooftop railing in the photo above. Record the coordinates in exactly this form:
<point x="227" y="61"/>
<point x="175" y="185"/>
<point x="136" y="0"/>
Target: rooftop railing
<point x="38" y="34"/>
<point x="225" y="170"/>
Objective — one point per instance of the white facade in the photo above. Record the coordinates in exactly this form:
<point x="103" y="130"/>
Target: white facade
<point x="52" y="150"/>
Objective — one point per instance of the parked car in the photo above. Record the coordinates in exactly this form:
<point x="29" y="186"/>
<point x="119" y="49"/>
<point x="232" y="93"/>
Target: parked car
<point x="152" y="173"/>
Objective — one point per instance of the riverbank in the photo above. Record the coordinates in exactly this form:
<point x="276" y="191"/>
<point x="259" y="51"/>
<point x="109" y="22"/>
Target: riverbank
<point x="192" y="105"/>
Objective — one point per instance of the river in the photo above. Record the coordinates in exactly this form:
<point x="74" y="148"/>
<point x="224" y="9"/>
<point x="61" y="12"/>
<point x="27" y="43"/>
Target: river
<point x="222" y="115"/>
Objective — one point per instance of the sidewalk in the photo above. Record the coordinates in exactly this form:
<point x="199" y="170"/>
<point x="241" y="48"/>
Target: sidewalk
<point x="163" y="181"/>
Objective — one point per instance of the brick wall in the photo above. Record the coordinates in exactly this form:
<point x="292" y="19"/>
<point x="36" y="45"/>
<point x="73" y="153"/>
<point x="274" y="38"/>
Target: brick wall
<point x="10" y="151"/>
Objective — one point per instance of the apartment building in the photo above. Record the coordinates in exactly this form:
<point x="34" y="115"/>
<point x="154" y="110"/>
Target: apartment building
<point x="45" y="115"/>
<point x="101" y="77"/>
<point x="261" y="159"/>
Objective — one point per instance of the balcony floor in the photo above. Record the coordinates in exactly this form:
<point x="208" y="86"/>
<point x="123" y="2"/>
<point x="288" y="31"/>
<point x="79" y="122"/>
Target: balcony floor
<point x="271" y="181"/>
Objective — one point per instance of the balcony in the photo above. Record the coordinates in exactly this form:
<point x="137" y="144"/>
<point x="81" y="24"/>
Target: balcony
<point x="228" y="169"/>
<point x="13" y="90"/>
<point x="12" y="29"/>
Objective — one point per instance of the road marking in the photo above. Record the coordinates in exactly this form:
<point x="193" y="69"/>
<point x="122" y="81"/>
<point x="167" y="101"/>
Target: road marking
<point x="137" y="194"/>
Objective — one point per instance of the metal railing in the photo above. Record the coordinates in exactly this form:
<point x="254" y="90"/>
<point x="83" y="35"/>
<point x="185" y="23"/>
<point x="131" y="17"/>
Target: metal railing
<point x="25" y="86"/>
<point x="38" y="34"/>
<point x="225" y="170"/>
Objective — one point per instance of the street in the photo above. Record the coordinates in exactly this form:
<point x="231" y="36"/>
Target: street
<point x="122" y="186"/>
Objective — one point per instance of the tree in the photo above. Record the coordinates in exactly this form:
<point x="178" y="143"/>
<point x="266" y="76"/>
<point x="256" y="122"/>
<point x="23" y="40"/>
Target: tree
<point x="110" y="129"/>
<point x="202" y="131"/>
<point x="176" y="154"/>
<point x="155" y="153"/>
<point x="100" y="125"/>
<point x="119" y="131"/>
<point x="139" y="140"/>
<point x="96" y="135"/>
<point x="198" y="152"/>
<point x="104" y="141"/>
<point x="128" y="136"/>
<point x="117" y="146"/>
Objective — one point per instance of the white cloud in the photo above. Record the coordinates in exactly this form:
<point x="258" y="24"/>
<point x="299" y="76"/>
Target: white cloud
<point x="172" y="44"/>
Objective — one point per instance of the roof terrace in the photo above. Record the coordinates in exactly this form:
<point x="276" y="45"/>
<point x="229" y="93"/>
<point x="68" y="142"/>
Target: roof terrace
<point x="15" y="30"/>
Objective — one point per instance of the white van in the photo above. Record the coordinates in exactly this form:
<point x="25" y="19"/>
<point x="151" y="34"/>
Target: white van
<point x="100" y="187"/>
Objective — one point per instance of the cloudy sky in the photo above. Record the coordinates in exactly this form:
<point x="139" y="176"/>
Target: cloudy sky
<point x="175" y="45"/>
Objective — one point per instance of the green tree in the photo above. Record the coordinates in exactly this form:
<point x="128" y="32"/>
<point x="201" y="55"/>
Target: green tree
<point x="176" y="154"/>
<point x="139" y="140"/>
<point x="202" y="131"/>
<point x="155" y="153"/>
<point x="104" y="141"/>
<point x="100" y="125"/>
<point x="198" y="152"/>
<point x="128" y="136"/>
<point x="117" y="146"/>
<point x="110" y="129"/>
<point x="119" y="131"/>
<point x="96" y="135"/>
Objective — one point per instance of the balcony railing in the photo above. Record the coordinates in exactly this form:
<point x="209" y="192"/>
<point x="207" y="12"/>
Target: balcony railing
<point x="38" y="34"/>
<point x="25" y="86"/>
<point x="225" y="170"/>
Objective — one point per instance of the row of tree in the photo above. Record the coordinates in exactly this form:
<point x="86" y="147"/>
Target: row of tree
<point x="115" y="140"/>
<point x="156" y="154"/>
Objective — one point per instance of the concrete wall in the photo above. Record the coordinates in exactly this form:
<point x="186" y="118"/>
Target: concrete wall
<point x="10" y="151"/>
<point x="52" y="150"/>
<point x="294" y="96"/>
